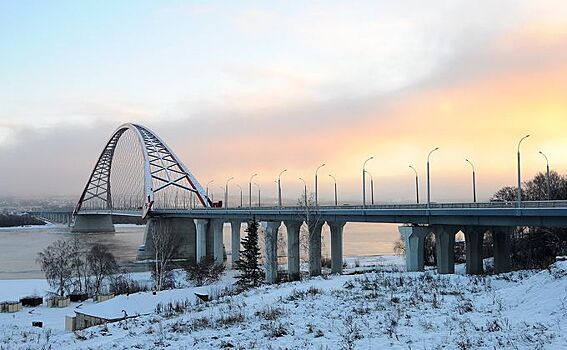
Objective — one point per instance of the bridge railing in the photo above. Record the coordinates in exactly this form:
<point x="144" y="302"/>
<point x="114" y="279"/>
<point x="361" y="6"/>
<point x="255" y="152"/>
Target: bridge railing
<point x="283" y="209"/>
<point x="478" y="205"/>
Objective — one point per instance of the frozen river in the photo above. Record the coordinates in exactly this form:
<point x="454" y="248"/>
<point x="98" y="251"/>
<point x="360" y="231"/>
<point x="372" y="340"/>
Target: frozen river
<point x="19" y="246"/>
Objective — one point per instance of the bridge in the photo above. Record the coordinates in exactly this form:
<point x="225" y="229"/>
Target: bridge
<point x="137" y="174"/>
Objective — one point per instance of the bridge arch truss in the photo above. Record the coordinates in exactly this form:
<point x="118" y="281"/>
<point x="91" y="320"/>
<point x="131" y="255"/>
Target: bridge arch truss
<point x="163" y="172"/>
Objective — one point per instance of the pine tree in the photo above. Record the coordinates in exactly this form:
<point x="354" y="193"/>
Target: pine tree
<point x="251" y="273"/>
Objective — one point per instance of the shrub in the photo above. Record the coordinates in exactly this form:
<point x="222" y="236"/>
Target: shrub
<point x="124" y="284"/>
<point x="231" y="318"/>
<point x="204" y="272"/>
<point x="274" y="329"/>
<point x="269" y="313"/>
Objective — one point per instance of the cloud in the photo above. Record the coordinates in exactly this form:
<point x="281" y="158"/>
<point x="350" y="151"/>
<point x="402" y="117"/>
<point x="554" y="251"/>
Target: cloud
<point x="460" y="77"/>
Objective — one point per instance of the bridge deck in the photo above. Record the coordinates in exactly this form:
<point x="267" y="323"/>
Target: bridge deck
<point x="542" y="213"/>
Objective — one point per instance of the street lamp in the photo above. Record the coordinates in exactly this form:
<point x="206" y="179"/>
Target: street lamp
<point x="335" y="180"/>
<point x="280" y="187"/>
<point x="241" y="203"/>
<point x="428" y="178"/>
<point x="207" y="186"/>
<point x="304" y="191"/>
<point x="519" y="199"/>
<point x="316" y="187"/>
<point x="259" y="203"/>
<point x="364" y="181"/>
<point x="250" y="190"/>
<point x="547" y="175"/>
<point x="226" y="191"/>
<point x="416" y="184"/>
<point x="371" y="187"/>
<point x="473" y="180"/>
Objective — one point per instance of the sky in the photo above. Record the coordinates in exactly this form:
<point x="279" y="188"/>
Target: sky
<point x="243" y="87"/>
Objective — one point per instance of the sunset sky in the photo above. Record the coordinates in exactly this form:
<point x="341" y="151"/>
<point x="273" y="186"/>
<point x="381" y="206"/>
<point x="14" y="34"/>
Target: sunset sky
<point x="242" y="87"/>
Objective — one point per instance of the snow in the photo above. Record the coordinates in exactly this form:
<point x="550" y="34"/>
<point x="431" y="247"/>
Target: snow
<point x="373" y="306"/>
<point x="48" y="224"/>
<point x="142" y="303"/>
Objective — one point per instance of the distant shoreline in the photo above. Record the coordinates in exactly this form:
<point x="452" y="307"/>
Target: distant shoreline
<point x="13" y="220"/>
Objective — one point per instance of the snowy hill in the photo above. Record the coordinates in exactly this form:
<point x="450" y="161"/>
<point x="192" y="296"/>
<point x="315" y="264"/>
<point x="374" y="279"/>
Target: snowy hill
<point x="372" y="310"/>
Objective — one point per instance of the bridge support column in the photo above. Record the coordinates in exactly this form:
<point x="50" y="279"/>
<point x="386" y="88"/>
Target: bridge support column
<point x="445" y="247"/>
<point x="501" y="239"/>
<point x="414" y="238"/>
<point x="93" y="223"/>
<point x="182" y="229"/>
<point x="315" y="248"/>
<point x="147" y="251"/>
<point x="217" y="226"/>
<point x="235" y="241"/>
<point x="474" y="238"/>
<point x="271" y="241"/>
<point x="336" y="246"/>
<point x="201" y="233"/>
<point x="293" y="228"/>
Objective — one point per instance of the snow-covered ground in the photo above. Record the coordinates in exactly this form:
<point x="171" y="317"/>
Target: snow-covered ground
<point x="376" y="308"/>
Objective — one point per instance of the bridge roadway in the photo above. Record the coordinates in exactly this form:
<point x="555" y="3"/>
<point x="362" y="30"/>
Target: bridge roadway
<point x="202" y="230"/>
<point x="537" y="213"/>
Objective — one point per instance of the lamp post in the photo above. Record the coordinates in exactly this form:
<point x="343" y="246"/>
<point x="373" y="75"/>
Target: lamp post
<point x="316" y="187"/>
<point x="473" y="180"/>
<point x="280" y="187"/>
<point x="371" y="187"/>
<point x="428" y="178"/>
<point x="241" y="203"/>
<point x="547" y="176"/>
<point x="304" y="191"/>
<point x="364" y="181"/>
<point x="519" y="199"/>
<point x="259" y="203"/>
<point x="207" y="186"/>
<point x="250" y="190"/>
<point x="416" y="184"/>
<point x="226" y="191"/>
<point x="335" y="181"/>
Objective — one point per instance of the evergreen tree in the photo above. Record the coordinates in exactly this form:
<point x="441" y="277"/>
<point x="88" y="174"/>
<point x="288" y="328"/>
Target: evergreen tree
<point x="250" y="271"/>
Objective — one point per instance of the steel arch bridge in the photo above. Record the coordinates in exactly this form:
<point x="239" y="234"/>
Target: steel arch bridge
<point x="152" y="177"/>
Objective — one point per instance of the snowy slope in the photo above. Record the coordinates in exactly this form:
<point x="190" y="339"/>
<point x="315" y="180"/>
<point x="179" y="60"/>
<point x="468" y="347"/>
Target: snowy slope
<point x="372" y="310"/>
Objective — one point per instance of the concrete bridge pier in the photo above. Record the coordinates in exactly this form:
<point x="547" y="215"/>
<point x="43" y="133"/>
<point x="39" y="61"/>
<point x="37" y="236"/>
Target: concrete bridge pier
<point x="474" y="238"/>
<point x="93" y="223"/>
<point x="183" y="227"/>
<point x="146" y="251"/>
<point x="271" y="242"/>
<point x="315" y="248"/>
<point x="235" y="241"/>
<point x="293" y="228"/>
<point x="201" y="228"/>
<point x="216" y="227"/>
<point x="445" y="247"/>
<point x="336" y="246"/>
<point x="414" y="238"/>
<point x="501" y="239"/>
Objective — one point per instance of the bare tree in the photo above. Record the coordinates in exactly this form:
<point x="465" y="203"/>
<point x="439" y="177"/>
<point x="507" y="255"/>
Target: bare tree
<point x="312" y="219"/>
<point x="56" y="263"/>
<point x="102" y="265"/>
<point x="79" y="265"/>
<point x="166" y="245"/>
<point x="537" y="247"/>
